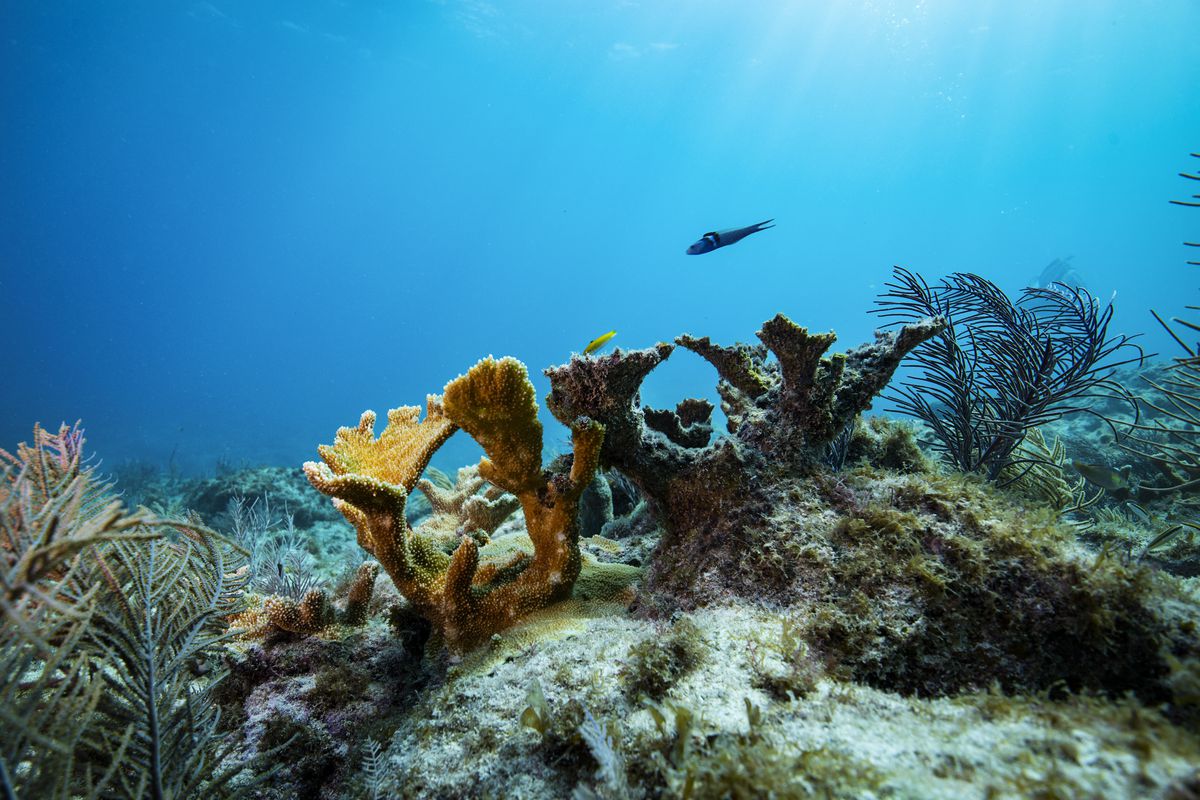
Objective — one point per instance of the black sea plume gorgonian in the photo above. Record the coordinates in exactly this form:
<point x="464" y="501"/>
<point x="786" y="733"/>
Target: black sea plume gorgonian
<point x="1170" y="438"/>
<point x="1001" y="367"/>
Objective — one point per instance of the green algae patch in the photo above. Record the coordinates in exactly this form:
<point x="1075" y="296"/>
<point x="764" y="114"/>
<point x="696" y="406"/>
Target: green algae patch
<point x="337" y="686"/>
<point x="886" y="444"/>
<point x="936" y="586"/>
<point x="311" y="754"/>
<point x="657" y="663"/>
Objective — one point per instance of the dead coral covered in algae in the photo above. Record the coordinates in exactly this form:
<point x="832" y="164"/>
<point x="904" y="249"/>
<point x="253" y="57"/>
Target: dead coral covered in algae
<point x="782" y="416"/>
<point x="932" y="588"/>
<point x="370" y="480"/>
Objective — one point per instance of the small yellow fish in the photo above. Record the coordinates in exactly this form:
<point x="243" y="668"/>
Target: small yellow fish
<point x="598" y="342"/>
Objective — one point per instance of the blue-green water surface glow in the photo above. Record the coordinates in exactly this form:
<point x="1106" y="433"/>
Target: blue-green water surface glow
<point x="228" y="227"/>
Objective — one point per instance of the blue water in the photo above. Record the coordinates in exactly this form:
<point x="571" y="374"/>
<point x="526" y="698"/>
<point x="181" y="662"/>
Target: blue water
<point x="227" y="228"/>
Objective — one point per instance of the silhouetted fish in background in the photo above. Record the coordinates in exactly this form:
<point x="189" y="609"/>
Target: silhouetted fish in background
<point x="1059" y="270"/>
<point x="714" y="239"/>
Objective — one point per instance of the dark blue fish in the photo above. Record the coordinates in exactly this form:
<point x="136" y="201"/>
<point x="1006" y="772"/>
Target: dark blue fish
<point x="714" y="239"/>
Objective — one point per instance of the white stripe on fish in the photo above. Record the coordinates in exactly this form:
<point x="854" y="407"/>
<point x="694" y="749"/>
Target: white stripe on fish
<point x="714" y="239"/>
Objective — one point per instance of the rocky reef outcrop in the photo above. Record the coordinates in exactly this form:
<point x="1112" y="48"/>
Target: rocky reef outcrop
<point x="783" y="413"/>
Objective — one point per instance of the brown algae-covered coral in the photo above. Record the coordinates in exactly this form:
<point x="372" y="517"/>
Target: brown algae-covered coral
<point x="919" y="584"/>
<point x="782" y="415"/>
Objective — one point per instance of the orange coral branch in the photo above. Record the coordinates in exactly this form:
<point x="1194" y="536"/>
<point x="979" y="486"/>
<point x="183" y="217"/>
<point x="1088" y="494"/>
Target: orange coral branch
<point x="370" y="479"/>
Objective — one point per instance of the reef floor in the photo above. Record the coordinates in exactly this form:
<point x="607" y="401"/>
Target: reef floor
<point x="887" y="630"/>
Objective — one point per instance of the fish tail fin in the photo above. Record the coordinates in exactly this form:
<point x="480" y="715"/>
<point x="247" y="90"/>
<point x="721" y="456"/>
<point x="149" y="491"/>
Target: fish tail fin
<point x="762" y="226"/>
